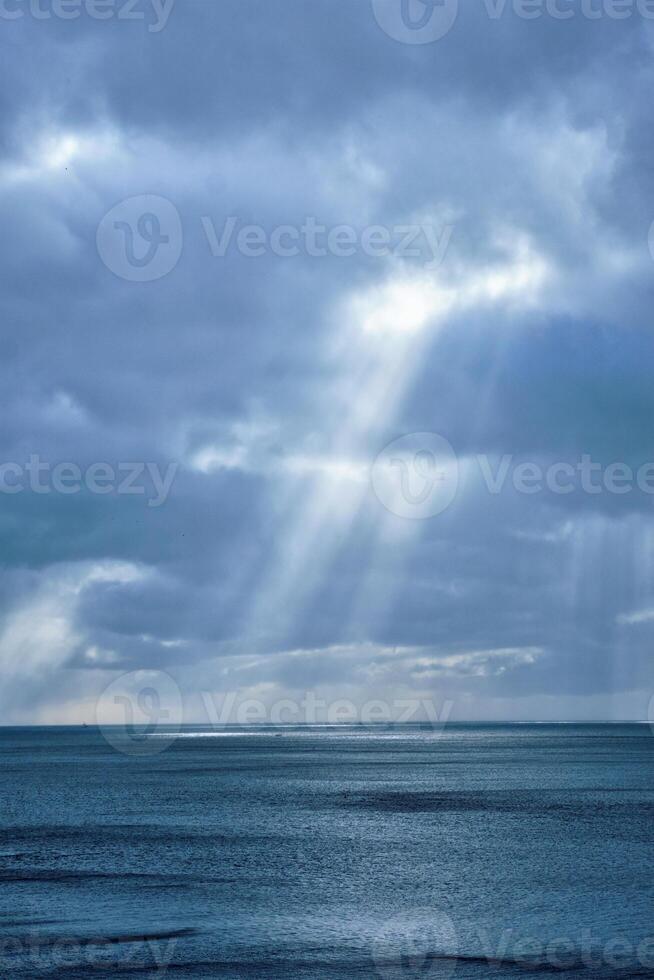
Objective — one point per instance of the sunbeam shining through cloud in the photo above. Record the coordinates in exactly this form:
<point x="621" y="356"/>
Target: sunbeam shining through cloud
<point x="345" y="353"/>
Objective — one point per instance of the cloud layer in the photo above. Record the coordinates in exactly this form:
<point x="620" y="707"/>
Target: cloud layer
<point x="515" y="323"/>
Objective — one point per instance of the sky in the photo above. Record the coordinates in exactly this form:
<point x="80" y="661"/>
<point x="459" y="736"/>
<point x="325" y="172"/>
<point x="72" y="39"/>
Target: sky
<point x="326" y="357"/>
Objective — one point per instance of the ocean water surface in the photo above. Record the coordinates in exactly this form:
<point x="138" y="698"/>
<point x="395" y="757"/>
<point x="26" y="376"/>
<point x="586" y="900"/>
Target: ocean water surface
<point x="323" y="853"/>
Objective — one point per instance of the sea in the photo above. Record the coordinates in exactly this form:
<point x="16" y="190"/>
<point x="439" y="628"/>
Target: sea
<point x="320" y="853"/>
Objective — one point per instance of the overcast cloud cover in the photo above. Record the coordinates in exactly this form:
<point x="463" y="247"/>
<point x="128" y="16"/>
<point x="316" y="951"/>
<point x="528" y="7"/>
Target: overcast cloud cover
<point x="271" y="383"/>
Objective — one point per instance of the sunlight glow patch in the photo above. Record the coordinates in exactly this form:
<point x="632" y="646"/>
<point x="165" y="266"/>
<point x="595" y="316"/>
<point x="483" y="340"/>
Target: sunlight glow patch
<point x="53" y="153"/>
<point x="214" y="458"/>
<point x="407" y="304"/>
<point x="403" y="307"/>
<point x="59" y="151"/>
<point x="331" y="467"/>
<point x="635" y="618"/>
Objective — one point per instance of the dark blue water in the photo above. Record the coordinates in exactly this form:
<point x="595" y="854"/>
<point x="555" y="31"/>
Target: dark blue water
<point x="476" y="852"/>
